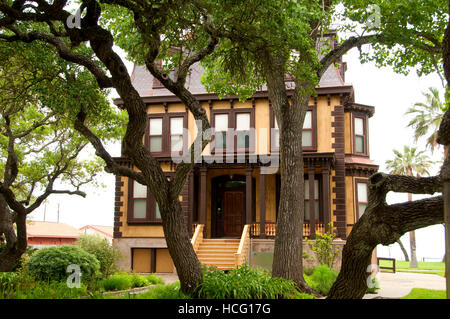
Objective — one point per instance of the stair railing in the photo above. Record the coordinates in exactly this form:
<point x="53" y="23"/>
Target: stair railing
<point x="241" y="254"/>
<point x="197" y="238"/>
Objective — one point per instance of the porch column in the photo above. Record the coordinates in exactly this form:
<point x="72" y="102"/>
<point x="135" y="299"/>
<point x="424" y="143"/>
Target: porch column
<point x="190" y="202"/>
<point x="202" y="217"/>
<point x="262" y="203"/>
<point x="248" y="195"/>
<point x="312" y="209"/>
<point x="326" y="195"/>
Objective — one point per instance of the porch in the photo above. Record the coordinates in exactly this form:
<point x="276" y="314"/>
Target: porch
<point x="226" y="197"/>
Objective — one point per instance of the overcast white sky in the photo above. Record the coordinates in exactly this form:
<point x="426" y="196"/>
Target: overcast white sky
<point x="390" y="93"/>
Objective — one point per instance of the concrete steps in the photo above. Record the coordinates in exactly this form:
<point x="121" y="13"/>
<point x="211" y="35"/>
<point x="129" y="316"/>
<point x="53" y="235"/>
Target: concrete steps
<point x="218" y="252"/>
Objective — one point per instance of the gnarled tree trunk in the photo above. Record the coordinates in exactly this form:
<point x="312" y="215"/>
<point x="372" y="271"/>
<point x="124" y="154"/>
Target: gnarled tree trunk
<point x="16" y="244"/>
<point x="384" y="224"/>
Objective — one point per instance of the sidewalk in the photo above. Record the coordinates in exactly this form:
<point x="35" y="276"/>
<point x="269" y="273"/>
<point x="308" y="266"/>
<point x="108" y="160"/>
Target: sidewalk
<point x="401" y="283"/>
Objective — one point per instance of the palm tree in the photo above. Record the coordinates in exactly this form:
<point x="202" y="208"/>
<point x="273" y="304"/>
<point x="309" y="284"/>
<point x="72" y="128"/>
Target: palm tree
<point x="428" y="117"/>
<point x="410" y="163"/>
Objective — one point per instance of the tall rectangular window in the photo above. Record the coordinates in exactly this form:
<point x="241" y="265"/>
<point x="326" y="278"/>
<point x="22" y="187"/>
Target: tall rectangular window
<point x="315" y="199"/>
<point x="360" y="135"/>
<point x="139" y="201"/>
<point x="142" y="205"/>
<point x="220" y="128"/>
<point x="156" y="135"/>
<point x="176" y="134"/>
<point x="307" y="134"/>
<point x="243" y="131"/>
<point x="362" y="197"/>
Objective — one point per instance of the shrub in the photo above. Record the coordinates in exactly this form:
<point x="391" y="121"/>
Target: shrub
<point x="323" y="247"/>
<point x="245" y="282"/>
<point x="50" y="264"/>
<point x="118" y="282"/>
<point x="50" y="290"/>
<point x="8" y="280"/>
<point x="139" y="281"/>
<point x="105" y="253"/>
<point x="322" y="279"/>
<point x="154" y="280"/>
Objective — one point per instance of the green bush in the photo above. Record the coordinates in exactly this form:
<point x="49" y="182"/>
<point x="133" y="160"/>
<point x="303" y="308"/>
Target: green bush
<point x="118" y="282"/>
<point x="154" y="280"/>
<point x="50" y="264"/>
<point x="105" y="253"/>
<point x="323" y="247"/>
<point x="139" y="281"/>
<point x="8" y="280"/>
<point x="322" y="279"/>
<point x="245" y="282"/>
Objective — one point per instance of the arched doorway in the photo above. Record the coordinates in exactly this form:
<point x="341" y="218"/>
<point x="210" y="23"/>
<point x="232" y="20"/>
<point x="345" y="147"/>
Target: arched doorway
<point x="228" y="205"/>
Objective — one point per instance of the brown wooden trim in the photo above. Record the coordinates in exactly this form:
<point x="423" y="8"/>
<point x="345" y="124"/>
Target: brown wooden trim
<point x="118" y="208"/>
<point x="326" y="196"/>
<point x="262" y="204"/>
<point x="248" y="195"/>
<point x="191" y="194"/>
<point x="203" y="181"/>
<point x="339" y="167"/>
<point x="312" y="201"/>
<point x="321" y="91"/>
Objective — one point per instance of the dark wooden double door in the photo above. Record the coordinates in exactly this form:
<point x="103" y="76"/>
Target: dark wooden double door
<point x="229" y="211"/>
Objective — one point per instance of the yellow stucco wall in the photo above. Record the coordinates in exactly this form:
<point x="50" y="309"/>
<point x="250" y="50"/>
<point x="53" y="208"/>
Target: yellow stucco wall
<point x="349" y="202"/>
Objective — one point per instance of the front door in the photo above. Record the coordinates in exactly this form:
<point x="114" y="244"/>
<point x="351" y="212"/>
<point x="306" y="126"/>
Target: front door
<point x="233" y="213"/>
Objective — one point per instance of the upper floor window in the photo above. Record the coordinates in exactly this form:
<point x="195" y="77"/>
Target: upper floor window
<point x="232" y="130"/>
<point x="360" y="135"/>
<point x="165" y="133"/>
<point x="142" y="206"/>
<point x="362" y="197"/>
<point x="308" y="132"/>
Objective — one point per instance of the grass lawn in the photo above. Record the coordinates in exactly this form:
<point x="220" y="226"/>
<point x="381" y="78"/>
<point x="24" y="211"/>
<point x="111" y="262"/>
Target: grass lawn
<point x="420" y="293"/>
<point x="425" y="267"/>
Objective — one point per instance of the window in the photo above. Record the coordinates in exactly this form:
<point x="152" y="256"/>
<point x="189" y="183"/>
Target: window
<point x="176" y="134"/>
<point x="220" y="129"/>
<point x="142" y="206"/>
<point x="362" y="197"/>
<point x="360" y="140"/>
<point x="165" y="133"/>
<point x="233" y="127"/>
<point x="156" y="135"/>
<point x="316" y="201"/>
<point x="242" y="131"/>
<point x="308" y="132"/>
